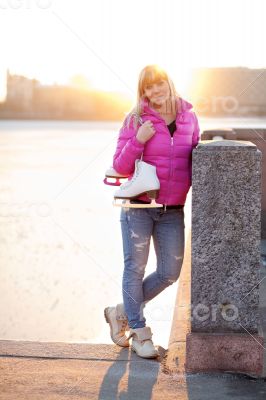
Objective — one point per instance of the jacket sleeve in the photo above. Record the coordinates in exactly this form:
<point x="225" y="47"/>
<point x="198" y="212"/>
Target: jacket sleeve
<point x="196" y="133"/>
<point x="128" y="149"/>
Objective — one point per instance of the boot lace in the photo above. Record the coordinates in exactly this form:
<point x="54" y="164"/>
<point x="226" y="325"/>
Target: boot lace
<point x="123" y="326"/>
<point x="129" y="183"/>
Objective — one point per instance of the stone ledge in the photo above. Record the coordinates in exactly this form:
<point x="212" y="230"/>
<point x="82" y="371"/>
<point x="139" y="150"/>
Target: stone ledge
<point x="241" y="353"/>
<point x="226" y="145"/>
<point x="178" y="353"/>
<point x="174" y="362"/>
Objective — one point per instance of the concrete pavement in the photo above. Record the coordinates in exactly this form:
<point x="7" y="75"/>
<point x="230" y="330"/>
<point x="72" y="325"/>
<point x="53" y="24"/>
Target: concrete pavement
<point x="53" y="371"/>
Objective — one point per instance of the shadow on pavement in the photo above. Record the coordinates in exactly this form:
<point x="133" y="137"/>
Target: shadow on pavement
<point x="130" y="377"/>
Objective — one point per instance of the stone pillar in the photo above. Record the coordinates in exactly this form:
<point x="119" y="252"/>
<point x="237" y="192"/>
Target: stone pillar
<point x="226" y="206"/>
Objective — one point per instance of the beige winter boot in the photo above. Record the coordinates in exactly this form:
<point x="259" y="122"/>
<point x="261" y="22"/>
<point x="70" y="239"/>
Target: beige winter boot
<point x="142" y="343"/>
<point x="117" y="319"/>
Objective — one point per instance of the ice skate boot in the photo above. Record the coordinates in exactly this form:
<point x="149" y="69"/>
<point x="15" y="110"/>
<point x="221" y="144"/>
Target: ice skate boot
<point x="144" y="180"/>
<point x="142" y="343"/>
<point x="117" y="319"/>
<point x="115" y="177"/>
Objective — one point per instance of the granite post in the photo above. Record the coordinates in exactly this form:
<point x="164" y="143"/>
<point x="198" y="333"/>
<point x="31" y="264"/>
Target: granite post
<point x="226" y="209"/>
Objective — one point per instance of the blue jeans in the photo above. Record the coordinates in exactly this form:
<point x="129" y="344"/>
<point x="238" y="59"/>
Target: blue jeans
<point x="166" y="228"/>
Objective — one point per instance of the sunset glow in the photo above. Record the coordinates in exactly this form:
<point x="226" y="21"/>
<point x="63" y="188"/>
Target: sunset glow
<point x="108" y="42"/>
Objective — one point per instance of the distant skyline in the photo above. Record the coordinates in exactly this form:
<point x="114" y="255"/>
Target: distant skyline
<point x="110" y="41"/>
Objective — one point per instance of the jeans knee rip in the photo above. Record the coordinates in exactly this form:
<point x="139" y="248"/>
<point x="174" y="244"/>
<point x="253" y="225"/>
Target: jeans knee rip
<point x="141" y="246"/>
<point x="133" y="234"/>
<point x="168" y="281"/>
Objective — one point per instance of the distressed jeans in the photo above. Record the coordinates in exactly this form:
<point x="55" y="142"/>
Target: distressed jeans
<point x="138" y="226"/>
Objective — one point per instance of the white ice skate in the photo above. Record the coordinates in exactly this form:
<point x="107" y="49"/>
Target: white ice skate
<point x="115" y="177"/>
<point x="144" y="180"/>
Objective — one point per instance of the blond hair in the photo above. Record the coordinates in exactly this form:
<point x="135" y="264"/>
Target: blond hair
<point x="149" y="75"/>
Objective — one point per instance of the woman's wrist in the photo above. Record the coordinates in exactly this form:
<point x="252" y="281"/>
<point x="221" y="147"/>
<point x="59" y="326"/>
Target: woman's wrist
<point x="137" y="143"/>
<point x="139" y="140"/>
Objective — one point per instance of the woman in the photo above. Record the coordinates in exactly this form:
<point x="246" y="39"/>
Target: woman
<point x="166" y="138"/>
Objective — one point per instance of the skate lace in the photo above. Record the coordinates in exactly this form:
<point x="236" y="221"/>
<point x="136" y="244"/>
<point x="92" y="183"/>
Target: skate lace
<point x="129" y="183"/>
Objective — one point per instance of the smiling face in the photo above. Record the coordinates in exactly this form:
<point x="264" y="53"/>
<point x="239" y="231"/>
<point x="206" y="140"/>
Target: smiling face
<point x="157" y="92"/>
<point x="156" y="86"/>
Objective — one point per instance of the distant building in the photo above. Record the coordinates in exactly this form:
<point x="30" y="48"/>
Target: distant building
<point x="20" y="91"/>
<point x="229" y="91"/>
<point x="29" y="99"/>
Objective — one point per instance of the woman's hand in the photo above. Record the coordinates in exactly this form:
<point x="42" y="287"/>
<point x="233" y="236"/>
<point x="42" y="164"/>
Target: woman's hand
<point x="145" y="132"/>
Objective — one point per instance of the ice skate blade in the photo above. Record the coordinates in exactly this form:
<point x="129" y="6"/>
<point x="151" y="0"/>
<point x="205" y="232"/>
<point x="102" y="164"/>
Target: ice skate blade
<point x="127" y="204"/>
<point x="113" y="181"/>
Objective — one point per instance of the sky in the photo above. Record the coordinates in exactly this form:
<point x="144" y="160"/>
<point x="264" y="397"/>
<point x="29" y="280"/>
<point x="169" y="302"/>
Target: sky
<point x="110" y="41"/>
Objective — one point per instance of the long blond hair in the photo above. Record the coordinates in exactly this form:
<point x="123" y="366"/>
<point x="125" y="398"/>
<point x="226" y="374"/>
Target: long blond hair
<point x="149" y="75"/>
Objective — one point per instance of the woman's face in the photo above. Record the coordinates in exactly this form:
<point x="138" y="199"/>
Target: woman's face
<point x="157" y="93"/>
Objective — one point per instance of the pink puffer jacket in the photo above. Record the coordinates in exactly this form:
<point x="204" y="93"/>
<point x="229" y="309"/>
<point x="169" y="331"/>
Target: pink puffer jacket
<point x="171" y="156"/>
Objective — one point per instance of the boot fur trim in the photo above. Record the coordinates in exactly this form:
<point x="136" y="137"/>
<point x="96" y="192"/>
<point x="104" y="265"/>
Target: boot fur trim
<point x="141" y="333"/>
